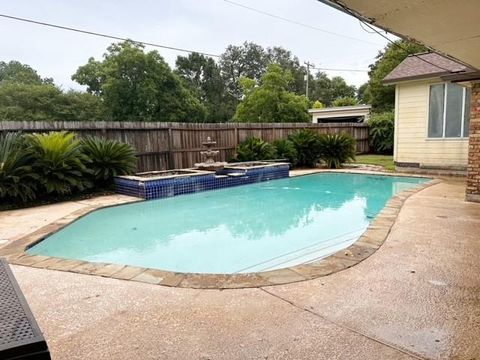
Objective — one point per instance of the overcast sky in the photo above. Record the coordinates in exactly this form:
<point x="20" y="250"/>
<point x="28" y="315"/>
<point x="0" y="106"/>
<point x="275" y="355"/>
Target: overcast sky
<point x="201" y="25"/>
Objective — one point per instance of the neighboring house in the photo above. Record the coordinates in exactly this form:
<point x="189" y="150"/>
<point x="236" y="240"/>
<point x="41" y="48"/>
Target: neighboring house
<point x="356" y="113"/>
<point x="431" y="115"/>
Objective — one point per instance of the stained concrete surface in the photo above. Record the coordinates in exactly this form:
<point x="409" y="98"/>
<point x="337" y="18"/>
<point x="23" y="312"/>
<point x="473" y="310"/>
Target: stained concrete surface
<point x="418" y="296"/>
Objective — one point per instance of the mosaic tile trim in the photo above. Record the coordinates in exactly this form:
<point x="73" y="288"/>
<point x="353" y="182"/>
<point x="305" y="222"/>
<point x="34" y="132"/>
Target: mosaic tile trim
<point x="368" y="243"/>
<point x="162" y="188"/>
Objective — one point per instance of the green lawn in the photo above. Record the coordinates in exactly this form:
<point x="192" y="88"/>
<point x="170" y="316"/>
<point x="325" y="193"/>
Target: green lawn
<point x="384" y="160"/>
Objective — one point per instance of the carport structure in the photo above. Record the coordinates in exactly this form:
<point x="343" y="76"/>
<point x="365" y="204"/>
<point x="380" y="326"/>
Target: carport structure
<point x="447" y="27"/>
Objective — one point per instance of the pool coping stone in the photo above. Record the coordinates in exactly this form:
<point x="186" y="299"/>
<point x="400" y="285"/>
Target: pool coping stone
<point x="365" y="246"/>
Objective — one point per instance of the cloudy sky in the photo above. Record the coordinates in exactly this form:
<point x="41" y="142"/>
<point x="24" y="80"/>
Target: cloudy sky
<point x="201" y="25"/>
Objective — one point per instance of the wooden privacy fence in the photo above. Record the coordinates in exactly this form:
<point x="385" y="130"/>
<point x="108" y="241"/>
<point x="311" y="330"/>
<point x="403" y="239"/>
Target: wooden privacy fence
<point x="163" y="145"/>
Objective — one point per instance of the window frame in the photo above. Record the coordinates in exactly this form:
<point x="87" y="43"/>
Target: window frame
<point x="444" y="114"/>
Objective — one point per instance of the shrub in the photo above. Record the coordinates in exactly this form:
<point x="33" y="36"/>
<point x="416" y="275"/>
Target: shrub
<point x="318" y="105"/>
<point x="345" y="101"/>
<point x="305" y="143"/>
<point x="336" y="149"/>
<point x="254" y="149"/>
<point x="17" y="179"/>
<point x="381" y="130"/>
<point x="109" y="158"/>
<point x="284" y="149"/>
<point x="60" y="162"/>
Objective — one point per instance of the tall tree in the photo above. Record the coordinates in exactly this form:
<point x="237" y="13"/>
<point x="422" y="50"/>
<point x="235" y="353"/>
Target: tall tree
<point x="328" y="90"/>
<point x="138" y="85"/>
<point x="285" y="58"/>
<point x="18" y="73"/>
<point x="45" y="102"/>
<point x="202" y="76"/>
<point x="271" y="101"/>
<point x="248" y="60"/>
<point x="382" y="98"/>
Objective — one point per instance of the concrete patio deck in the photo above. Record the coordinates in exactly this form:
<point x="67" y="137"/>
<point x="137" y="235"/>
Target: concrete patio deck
<point x="418" y="296"/>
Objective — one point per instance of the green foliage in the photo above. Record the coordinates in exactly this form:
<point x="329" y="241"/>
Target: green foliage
<point x="345" y="101"/>
<point x="306" y="144"/>
<point x="381" y="131"/>
<point x="45" y="102"/>
<point x="318" y="105"/>
<point x="253" y="149"/>
<point x="202" y="76"/>
<point x="108" y="158"/>
<point x="326" y="90"/>
<point x="59" y="162"/>
<point x="139" y="85"/>
<point x="17" y="180"/>
<point x="336" y="149"/>
<point x="271" y="101"/>
<point x="382" y="98"/>
<point x="248" y="60"/>
<point x="18" y="73"/>
<point x="284" y="149"/>
<point x="287" y="61"/>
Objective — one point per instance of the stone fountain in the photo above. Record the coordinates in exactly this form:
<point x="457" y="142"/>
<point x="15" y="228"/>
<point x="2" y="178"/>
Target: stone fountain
<point x="208" y="156"/>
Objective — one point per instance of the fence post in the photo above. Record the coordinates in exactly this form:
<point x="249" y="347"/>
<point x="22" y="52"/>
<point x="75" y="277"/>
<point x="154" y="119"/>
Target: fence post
<point x="170" y="158"/>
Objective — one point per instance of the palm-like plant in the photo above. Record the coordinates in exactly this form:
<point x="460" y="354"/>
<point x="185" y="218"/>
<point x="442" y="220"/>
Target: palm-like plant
<point x="306" y="143"/>
<point x="17" y="179"/>
<point x="335" y="149"/>
<point x="109" y="158"/>
<point x="254" y="149"/>
<point x="284" y="149"/>
<point x="60" y="162"/>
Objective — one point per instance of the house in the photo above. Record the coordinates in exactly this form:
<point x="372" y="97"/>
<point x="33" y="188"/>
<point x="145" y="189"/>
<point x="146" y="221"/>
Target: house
<point x="444" y="27"/>
<point x="356" y="113"/>
<point x="431" y="115"/>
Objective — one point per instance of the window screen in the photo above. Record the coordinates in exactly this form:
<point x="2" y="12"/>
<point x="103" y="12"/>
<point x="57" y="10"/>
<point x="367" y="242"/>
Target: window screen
<point x="454" y="108"/>
<point x="435" y="119"/>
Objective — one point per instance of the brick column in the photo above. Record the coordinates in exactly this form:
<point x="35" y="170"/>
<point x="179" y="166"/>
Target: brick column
<point x="473" y="174"/>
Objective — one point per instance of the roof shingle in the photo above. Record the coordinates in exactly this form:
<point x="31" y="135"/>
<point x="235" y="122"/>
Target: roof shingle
<point x="423" y="66"/>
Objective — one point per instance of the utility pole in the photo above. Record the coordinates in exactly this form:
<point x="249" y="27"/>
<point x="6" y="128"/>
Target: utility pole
<point x="307" y="77"/>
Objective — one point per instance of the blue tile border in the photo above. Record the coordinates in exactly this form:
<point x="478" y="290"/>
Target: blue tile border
<point x="162" y="188"/>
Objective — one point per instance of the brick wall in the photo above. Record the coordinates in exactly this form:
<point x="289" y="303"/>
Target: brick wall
<point x="473" y="175"/>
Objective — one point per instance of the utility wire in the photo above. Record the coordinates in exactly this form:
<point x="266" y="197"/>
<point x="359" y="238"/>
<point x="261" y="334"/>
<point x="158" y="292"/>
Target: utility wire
<point x="332" y="69"/>
<point x="103" y="35"/>
<point x="298" y="22"/>
<point x="348" y="11"/>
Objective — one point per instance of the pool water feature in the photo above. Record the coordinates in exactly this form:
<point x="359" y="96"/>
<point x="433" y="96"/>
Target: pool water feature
<point x="258" y="227"/>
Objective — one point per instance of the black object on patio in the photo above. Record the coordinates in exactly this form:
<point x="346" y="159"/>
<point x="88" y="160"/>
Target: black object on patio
<point x="20" y="336"/>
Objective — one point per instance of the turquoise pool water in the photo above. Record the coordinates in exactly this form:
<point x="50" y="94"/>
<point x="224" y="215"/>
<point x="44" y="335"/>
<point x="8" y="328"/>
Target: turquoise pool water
<point x="249" y="228"/>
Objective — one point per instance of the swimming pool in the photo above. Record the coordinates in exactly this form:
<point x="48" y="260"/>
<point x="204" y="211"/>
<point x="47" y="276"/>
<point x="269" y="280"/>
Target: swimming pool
<point x="251" y="228"/>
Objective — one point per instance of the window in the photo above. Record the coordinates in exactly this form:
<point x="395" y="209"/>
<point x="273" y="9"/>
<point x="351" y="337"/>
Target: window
<point x="449" y="111"/>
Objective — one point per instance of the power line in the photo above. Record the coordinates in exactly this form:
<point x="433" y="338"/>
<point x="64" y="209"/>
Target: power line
<point x="103" y="35"/>
<point x="298" y="22"/>
<point x="333" y="69"/>
<point x="348" y="11"/>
